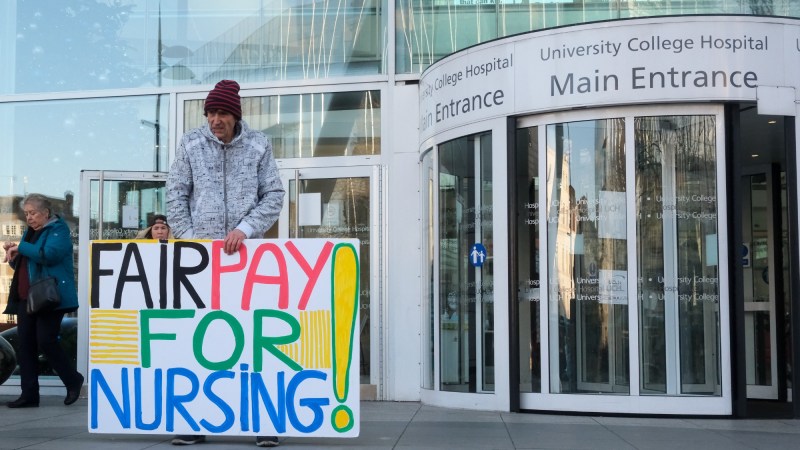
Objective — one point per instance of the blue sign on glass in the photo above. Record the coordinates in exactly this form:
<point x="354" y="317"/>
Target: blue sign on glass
<point x="477" y="255"/>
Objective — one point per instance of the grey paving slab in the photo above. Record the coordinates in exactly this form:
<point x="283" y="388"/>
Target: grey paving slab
<point x="760" y="440"/>
<point x="649" y="437"/>
<point x="434" y="414"/>
<point x="545" y="419"/>
<point x="8" y="443"/>
<point x="452" y="435"/>
<point x="388" y="411"/>
<point x="677" y="423"/>
<point x="380" y="434"/>
<point x="777" y="426"/>
<point x="564" y="436"/>
<point x="410" y="425"/>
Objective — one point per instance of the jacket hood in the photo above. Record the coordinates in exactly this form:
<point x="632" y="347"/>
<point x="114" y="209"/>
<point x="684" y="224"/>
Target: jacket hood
<point x="241" y="128"/>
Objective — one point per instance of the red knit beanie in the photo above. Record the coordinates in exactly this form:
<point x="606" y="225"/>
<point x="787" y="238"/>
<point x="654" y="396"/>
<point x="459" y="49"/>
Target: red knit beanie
<point x="225" y="97"/>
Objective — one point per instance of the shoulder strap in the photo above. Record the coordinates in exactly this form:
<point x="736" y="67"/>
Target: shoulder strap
<point x="41" y="252"/>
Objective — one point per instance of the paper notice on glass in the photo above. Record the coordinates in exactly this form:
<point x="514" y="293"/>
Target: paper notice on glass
<point x="611" y="215"/>
<point x="310" y="209"/>
<point x="613" y="287"/>
<point x="130" y="216"/>
<point x="332" y="216"/>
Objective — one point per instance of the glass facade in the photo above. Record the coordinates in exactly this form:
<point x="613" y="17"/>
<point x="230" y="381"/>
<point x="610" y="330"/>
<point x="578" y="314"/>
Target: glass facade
<point x="616" y="218"/>
<point x="81" y="45"/>
<point x="49" y="143"/>
<point x="90" y="85"/>
<point x="310" y="125"/>
<point x="428" y="30"/>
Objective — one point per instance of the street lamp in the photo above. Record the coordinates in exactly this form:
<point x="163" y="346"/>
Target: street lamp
<point x="170" y="72"/>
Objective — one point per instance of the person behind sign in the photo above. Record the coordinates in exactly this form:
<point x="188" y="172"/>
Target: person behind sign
<point x="157" y="228"/>
<point x="46" y="246"/>
<point x="224" y="184"/>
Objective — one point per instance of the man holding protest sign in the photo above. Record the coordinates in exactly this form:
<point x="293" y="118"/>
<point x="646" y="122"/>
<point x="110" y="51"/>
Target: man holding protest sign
<point x="224" y="184"/>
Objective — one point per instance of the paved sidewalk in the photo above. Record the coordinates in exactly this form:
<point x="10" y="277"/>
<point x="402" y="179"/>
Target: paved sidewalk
<point x="408" y="425"/>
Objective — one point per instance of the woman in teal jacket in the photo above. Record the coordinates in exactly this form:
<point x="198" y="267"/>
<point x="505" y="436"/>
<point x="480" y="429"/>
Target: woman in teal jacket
<point x="45" y="250"/>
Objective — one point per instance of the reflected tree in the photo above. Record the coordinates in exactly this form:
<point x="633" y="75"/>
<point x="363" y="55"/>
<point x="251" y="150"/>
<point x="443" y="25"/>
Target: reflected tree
<point x="762" y="7"/>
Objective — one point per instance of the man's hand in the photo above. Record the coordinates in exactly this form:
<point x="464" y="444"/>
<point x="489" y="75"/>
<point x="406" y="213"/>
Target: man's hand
<point x="233" y="240"/>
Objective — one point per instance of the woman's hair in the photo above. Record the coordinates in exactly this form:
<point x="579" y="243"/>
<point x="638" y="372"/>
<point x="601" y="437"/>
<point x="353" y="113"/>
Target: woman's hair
<point x="39" y="201"/>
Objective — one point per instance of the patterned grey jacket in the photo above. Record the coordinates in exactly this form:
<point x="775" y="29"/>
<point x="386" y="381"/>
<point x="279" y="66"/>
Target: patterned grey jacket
<point x="213" y="188"/>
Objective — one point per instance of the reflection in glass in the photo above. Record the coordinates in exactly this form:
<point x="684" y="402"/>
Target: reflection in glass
<point x="125" y="133"/>
<point x="759" y="345"/>
<point x="587" y="257"/>
<point x="677" y="256"/>
<point x="428" y="30"/>
<point x="527" y="239"/>
<point x="345" y="214"/>
<point x="428" y="297"/>
<point x="787" y="296"/>
<point x="466" y="290"/>
<point x="127" y="207"/>
<point x="310" y="125"/>
<point x="91" y="45"/>
<point x="12" y="228"/>
<point x="760" y="278"/>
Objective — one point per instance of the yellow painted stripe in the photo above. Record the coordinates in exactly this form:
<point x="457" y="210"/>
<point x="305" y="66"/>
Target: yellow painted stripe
<point x="111" y="334"/>
<point x="106" y="328"/>
<point x="112" y="322"/>
<point x="133" y="362"/>
<point x="115" y="312"/>
<point x="119" y="351"/>
<point x="108" y="344"/>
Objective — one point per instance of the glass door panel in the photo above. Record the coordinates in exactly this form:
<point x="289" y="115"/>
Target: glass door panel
<point x="588" y="181"/>
<point x="759" y="266"/>
<point x="678" y="260"/>
<point x="119" y="209"/>
<point x="527" y="242"/>
<point x="113" y="205"/>
<point x="466" y="265"/>
<point x="336" y="203"/>
<point x="587" y="257"/>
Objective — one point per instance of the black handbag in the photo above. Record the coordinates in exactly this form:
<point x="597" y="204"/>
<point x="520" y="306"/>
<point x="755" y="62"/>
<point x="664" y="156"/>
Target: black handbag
<point x="43" y="293"/>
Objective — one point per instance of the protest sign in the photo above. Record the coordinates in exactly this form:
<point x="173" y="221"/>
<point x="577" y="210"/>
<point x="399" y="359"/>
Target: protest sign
<point x="185" y="339"/>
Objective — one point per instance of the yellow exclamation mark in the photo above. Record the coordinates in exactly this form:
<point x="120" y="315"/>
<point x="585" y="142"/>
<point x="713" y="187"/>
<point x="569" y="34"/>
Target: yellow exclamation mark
<point x="344" y="306"/>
